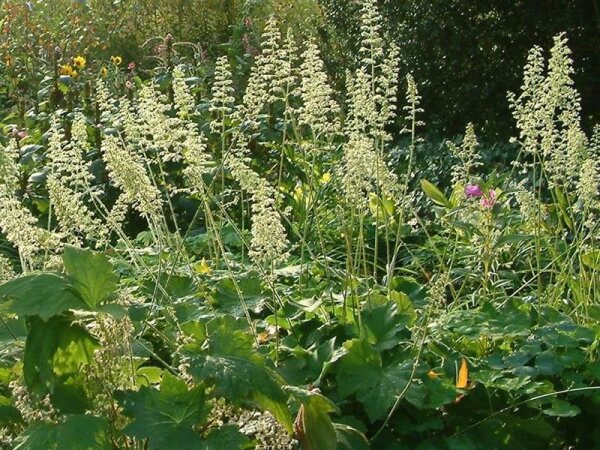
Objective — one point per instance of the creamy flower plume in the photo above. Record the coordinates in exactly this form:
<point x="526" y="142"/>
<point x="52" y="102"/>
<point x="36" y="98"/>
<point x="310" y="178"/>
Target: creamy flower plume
<point x="319" y="111"/>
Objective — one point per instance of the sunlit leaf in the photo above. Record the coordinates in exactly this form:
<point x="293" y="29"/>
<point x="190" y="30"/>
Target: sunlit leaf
<point x="90" y="273"/>
<point x="44" y="295"/>
<point x="166" y="417"/>
<point x="435" y="194"/>
<point x="73" y="432"/>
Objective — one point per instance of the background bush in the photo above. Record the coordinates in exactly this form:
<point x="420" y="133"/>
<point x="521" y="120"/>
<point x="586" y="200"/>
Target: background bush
<point x="467" y="55"/>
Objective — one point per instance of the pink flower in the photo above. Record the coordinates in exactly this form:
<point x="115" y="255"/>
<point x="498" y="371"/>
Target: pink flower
<point x="131" y="66"/>
<point x="16" y="133"/>
<point x="473" y="190"/>
<point x="488" y="201"/>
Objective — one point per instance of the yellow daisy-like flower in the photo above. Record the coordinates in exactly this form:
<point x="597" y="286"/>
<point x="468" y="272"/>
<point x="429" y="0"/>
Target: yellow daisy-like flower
<point x="116" y="60"/>
<point x="104" y="72"/>
<point x="67" y="70"/>
<point x="326" y="177"/>
<point x="79" y="62"/>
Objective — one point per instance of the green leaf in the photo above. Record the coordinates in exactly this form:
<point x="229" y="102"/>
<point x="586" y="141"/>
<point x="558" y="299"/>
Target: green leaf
<point x="439" y="392"/>
<point x="349" y="438"/>
<point x="43" y="295"/>
<point x="54" y="351"/>
<point x="435" y="194"/>
<point x="166" y="417"/>
<point x="416" y="292"/>
<point x="239" y="379"/>
<point x="237" y="372"/>
<point x="74" y="432"/>
<point x="148" y="375"/>
<point x="361" y="372"/>
<point x="560" y="408"/>
<point x="546" y="362"/>
<point x="9" y="414"/>
<point x="404" y="307"/>
<point x="113" y="309"/>
<point x="563" y="207"/>
<point x="314" y="428"/>
<point x="91" y="274"/>
<point x="227" y="298"/>
<point x="513" y="239"/>
<point x="381" y="326"/>
<point x="305" y="396"/>
<point x="592" y="259"/>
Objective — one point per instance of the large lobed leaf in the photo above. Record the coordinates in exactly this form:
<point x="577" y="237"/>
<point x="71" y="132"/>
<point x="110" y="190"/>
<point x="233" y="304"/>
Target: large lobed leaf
<point x="361" y="372"/>
<point x="90" y="280"/>
<point x="55" y="350"/>
<point x="166" y="417"/>
<point x="91" y="274"/>
<point x="237" y="372"/>
<point x="73" y="432"/>
<point x="44" y="295"/>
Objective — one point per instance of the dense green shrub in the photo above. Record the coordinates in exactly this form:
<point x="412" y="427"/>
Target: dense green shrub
<point x="465" y="55"/>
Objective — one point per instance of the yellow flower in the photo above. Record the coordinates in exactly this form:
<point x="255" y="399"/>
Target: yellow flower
<point x="298" y="192"/>
<point x="67" y="70"/>
<point x="104" y="72"/>
<point x="326" y="178"/>
<point x="79" y="62"/>
<point x="433" y="375"/>
<point x="116" y="60"/>
<point x="203" y="267"/>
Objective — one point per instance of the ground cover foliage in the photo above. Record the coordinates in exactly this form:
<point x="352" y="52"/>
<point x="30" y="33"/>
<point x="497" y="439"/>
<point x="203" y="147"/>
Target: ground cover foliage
<point x="246" y="257"/>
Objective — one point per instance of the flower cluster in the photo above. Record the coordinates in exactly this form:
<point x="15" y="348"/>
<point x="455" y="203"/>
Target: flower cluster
<point x="269" y="242"/>
<point x="373" y="87"/>
<point x="184" y="100"/>
<point x="488" y="198"/>
<point x="68" y="70"/>
<point x="17" y="222"/>
<point x="6" y="270"/>
<point x="69" y="182"/>
<point x="371" y="92"/>
<point x="364" y="172"/>
<point x="222" y="99"/>
<point x="468" y="156"/>
<point x="111" y="366"/>
<point x="319" y="111"/>
<point x="127" y="171"/>
<point x="547" y="113"/>
<point x="32" y="410"/>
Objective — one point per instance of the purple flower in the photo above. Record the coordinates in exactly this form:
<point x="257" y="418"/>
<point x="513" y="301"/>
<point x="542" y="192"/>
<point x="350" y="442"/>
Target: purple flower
<point x="473" y="190"/>
<point x="489" y="200"/>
